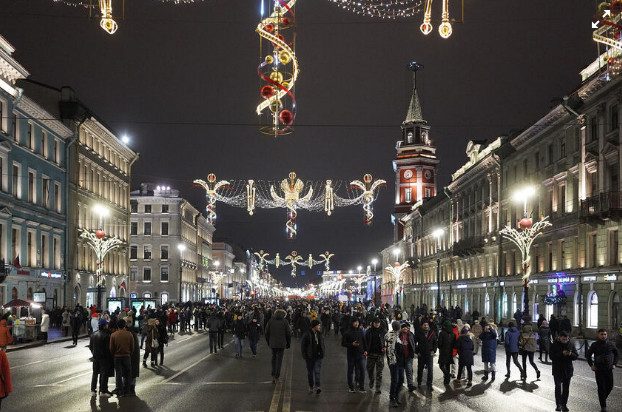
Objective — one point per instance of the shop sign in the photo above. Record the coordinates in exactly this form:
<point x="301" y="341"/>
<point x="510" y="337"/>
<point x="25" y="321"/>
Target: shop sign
<point x="610" y="278"/>
<point x="461" y="287"/>
<point x="589" y="278"/>
<point x="484" y="284"/>
<point x="535" y="281"/>
<point x="566" y="279"/>
<point x="51" y="275"/>
<point x="501" y="283"/>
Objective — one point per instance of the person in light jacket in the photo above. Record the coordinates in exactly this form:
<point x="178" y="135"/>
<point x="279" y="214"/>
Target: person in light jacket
<point x="45" y="325"/>
<point x="529" y="345"/>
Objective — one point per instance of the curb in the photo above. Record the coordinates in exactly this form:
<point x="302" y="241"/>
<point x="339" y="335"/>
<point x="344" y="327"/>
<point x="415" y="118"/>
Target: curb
<point x="41" y="343"/>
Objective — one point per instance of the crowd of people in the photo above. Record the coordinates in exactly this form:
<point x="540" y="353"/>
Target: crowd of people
<point x="406" y="340"/>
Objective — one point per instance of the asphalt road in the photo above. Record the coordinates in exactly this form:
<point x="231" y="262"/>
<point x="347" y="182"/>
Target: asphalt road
<point x="56" y="377"/>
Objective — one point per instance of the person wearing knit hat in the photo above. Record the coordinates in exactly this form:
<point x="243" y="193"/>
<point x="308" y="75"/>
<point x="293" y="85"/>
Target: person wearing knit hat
<point x="312" y="348"/>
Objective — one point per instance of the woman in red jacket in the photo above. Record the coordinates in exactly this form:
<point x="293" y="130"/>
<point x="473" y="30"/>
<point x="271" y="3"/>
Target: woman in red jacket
<point x="5" y="335"/>
<point x="6" y="386"/>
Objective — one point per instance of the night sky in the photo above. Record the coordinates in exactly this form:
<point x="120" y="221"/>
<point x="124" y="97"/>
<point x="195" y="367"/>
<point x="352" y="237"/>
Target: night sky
<point x="181" y="82"/>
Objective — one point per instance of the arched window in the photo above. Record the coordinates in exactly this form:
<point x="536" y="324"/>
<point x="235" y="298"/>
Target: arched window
<point x="536" y="308"/>
<point x="486" y="304"/>
<point x="614" y="310"/>
<point x="514" y="305"/>
<point x="113" y="292"/>
<point x="504" y="305"/>
<point x="592" y="310"/>
<point x="164" y="298"/>
<point x="146" y="295"/>
<point x="466" y="303"/>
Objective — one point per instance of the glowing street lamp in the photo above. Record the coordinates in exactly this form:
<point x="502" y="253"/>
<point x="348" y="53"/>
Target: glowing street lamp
<point x="523" y="237"/>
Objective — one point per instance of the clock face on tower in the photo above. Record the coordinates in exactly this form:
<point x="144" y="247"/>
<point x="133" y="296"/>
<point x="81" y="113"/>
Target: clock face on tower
<point x="408" y="174"/>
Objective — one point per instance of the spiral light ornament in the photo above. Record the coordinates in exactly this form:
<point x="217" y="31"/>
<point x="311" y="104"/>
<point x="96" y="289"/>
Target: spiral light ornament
<point x="278" y="69"/>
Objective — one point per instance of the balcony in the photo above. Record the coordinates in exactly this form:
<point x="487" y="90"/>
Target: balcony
<point x="468" y="246"/>
<point x="604" y="206"/>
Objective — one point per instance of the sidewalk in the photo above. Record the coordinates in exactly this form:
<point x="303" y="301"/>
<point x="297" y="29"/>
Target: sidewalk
<point x="54" y="335"/>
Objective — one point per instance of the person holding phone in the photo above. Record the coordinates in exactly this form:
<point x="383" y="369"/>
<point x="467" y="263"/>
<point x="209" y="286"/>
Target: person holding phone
<point x="354" y="341"/>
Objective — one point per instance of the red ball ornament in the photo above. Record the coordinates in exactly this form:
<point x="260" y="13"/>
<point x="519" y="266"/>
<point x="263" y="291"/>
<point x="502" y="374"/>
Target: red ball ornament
<point x="269" y="28"/>
<point x="286" y="117"/>
<point x="100" y="234"/>
<point x="266" y="92"/>
<point x="525" y="223"/>
<point x="285" y="21"/>
<point x="280" y="37"/>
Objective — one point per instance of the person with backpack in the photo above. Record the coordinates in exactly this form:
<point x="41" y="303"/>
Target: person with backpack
<point x="528" y="345"/>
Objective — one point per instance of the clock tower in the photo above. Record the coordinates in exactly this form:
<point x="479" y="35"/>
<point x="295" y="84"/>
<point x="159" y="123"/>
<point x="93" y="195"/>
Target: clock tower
<point x="415" y="164"/>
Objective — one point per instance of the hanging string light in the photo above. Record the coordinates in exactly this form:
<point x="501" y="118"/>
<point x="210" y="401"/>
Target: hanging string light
<point x="384" y="9"/>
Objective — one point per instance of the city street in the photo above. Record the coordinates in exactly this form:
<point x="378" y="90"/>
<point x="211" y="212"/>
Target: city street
<point x="56" y="377"/>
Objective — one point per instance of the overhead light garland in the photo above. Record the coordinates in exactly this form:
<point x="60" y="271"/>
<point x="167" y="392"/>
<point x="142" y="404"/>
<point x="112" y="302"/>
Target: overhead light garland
<point x="294" y="259"/>
<point x="278" y="67"/>
<point x="384" y="9"/>
<point x="291" y="194"/>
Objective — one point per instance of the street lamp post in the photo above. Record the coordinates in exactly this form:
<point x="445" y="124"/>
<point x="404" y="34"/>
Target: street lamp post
<point x="396" y="253"/>
<point x="523" y="238"/>
<point x="438" y="234"/>
<point x="181" y="247"/>
<point x="101" y="246"/>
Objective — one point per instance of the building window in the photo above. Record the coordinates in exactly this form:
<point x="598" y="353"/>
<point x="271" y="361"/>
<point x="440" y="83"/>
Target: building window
<point x="562" y="148"/>
<point x="613" y="117"/>
<point x="46" y="192"/>
<point x="514" y="303"/>
<point x="57" y="197"/>
<point x="578" y="300"/>
<point x="592" y="310"/>
<point x="44" y="144"/>
<point x="56" y="247"/>
<point x="146" y="274"/>
<point x="164" y="252"/>
<point x="164" y="274"/>
<point x="134" y="228"/>
<point x="32" y="249"/>
<point x="593" y="129"/>
<point x="613" y="247"/>
<point x="17" y="186"/>
<point x="31" y="137"/>
<point x="408" y="195"/>
<point x="550" y="153"/>
<point x="562" y="254"/>
<point x="3" y="122"/>
<point x="164" y="298"/>
<point x="593" y="250"/>
<point x="164" y="208"/>
<point x="147" y="252"/>
<point x="486" y="304"/>
<point x="147" y="208"/>
<point x="428" y="192"/>
<point x="133" y="207"/>
<point x="56" y="158"/>
<point x="31" y="188"/>
<point x="133" y="252"/>
<point x="147" y="228"/>
<point x="45" y="253"/>
<point x="164" y="228"/>
<point x="133" y="273"/>
<point x="504" y="306"/>
<point x="16" y="242"/>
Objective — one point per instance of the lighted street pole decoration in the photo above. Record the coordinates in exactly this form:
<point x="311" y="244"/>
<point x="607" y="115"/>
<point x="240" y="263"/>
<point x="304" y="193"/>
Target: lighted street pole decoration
<point x="523" y="238"/>
<point x="368" y="186"/>
<point x="101" y="246"/>
<point x="396" y="274"/>
<point x="438" y="234"/>
<point x="211" y="186"/>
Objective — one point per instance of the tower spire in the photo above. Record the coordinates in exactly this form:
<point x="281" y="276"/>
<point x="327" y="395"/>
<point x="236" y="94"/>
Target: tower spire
<point x="414" y="114"/>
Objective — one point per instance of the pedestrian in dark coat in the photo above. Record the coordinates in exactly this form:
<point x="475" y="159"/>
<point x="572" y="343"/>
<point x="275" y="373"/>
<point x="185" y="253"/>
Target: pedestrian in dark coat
<point x="563" y="353"/>
<point x="278" y="336"/>
<point x="103" y="362"/>
<point x="602" y="356"/>
<point x="354" y="341"/>
<point x="554" y="326"/>
<point x="465" y="347"/>
<point x="254" y="330"/>
<point x="446" y="343"/>
<point x="313" y="350"/>
<point x="511" y="339"/>
<point x="544" y="340"/>
<point x="489" y="351"/>
<point x="427" y="343"/>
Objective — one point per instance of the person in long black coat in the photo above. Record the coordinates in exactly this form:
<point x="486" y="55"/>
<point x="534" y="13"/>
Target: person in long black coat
<point x="465" y="347"/>
<point x="562" y="353"/>
<point x="135" y="360"/>
<point x="446" y="343"/>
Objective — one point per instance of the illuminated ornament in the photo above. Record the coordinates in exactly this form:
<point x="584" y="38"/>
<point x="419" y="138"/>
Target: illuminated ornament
<point x="276" y="77"/>
<point x="445" y="28"/>
<point x="525" y="223"/>
<point x="286" y="117"/>
<point x="426" y="26"/>
<point x="211" y="192"/>
<point x="614" y="66"/>
<point x="275" y="30"/>
<point x="100" y="234"/>
<point x="384" y="9"/>
<point x="369" y="187"/>
<point x="267" y="92"/>
<point x="106" y="22"/>
<point x="609" y="26"/>
<point x="294" y="259"/>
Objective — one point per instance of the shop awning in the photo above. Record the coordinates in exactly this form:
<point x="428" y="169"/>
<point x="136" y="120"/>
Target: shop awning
<point x="15" y="303"/>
